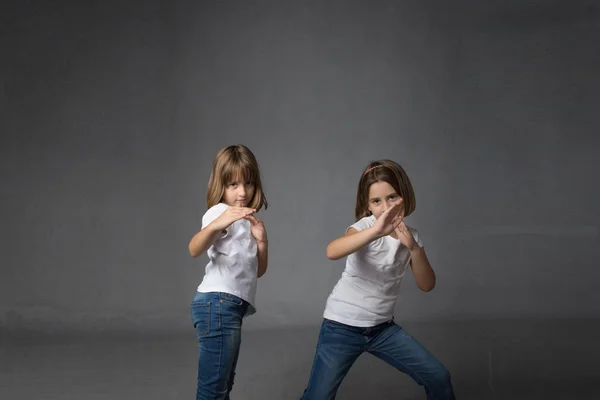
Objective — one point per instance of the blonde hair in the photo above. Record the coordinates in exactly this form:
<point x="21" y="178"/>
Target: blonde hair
<point x="384" y="171"/>
<point x="232" y="162"/>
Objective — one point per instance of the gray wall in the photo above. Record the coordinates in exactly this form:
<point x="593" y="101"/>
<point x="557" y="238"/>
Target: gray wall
<point x="112" y="114"/>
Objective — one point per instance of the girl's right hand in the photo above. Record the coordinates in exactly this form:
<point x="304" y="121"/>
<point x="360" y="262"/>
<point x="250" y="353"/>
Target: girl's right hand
<point x="230" y="215"/>
<point x="389" y="220"/>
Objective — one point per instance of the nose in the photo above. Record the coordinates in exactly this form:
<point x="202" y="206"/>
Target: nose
<point x="242" y="190"/>
<point x="389" y="204"/>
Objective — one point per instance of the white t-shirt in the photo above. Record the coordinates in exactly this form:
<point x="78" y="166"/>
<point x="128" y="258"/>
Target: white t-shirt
<point x="366" y="293"/>
<point x="233" y="264"/>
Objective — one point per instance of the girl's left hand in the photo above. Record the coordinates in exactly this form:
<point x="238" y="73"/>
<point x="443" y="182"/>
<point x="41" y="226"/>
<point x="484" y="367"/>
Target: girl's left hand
<point x="257" y="227"/>
<point x="404" y="235"/>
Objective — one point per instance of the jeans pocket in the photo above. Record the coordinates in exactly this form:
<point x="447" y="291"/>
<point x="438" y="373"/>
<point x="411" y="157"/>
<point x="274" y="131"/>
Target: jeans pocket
<point x="201" y="317"/>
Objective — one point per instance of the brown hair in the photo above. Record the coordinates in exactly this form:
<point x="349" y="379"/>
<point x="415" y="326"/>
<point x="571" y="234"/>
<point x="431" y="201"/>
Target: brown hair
<point x="230" y="162"/>
<point x="384" y="171"/>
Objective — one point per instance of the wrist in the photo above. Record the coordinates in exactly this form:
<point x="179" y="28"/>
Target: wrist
<point x="262" y="242"/>
<point x="214" y="227"/>
<point x="216" y="231"/>
<point x="416" y="249"/>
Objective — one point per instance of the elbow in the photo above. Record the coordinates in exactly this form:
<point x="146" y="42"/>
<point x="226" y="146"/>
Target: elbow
<point x="193" y="252"/>
<point x="427" y="287"/>
<point x="331" y="254"/>
<point x="261" y="272"/>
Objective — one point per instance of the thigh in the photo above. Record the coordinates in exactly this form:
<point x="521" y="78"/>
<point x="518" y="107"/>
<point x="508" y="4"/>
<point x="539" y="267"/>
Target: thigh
<point x="398" y="348"/>
<point x="217" y="322"/>
<point x="232" y="311"/>
<point x="215" y="314"/>
<point x="337" y="349"/>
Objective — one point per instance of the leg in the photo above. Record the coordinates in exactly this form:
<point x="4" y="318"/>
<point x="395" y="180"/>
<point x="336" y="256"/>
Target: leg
<point x="233" y="367"/>
<point x="217" y="319"/>
<point x="233" y="303"/>
<point x="396" y="347"/>
<point x="338" y="348"/>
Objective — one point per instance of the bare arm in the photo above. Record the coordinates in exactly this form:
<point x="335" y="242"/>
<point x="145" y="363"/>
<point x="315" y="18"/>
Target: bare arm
<point x="259" y="233"/>
<point x="352" y="241"/>
<point x="203" y="240"/>
<point x="211" y="232"/>
<point x="263" y="256"/>
<point x="422" y="271"/>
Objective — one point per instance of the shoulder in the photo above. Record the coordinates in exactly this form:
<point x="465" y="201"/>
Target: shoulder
<point x="213" y="213"/>
<point x="363" y="223"/>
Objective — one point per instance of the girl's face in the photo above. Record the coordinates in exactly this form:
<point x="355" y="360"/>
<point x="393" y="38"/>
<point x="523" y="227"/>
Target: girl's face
<point x="381" y="197"/>
<point x="238" y="192"/>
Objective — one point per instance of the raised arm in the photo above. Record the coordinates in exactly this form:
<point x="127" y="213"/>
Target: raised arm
<point x="421" y="268"/>
<point x="211" y="232"/>
<point x="350" y="242"/>
<point x="354" y="240"/>
<point x="204" y="239"/>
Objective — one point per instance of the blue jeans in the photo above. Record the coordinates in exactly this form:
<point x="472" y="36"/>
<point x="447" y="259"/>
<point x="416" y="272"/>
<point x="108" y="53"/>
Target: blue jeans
<point x="217" y="318"/>
<point x="340" y="345"/>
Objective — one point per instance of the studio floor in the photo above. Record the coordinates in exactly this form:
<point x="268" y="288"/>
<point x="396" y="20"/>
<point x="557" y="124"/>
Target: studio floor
<point x="510" y="360"/>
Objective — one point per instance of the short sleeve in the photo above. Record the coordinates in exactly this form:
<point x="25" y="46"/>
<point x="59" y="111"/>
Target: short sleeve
<point x="417" y="235"/>
<point x="362" y="224"/>
<point x="213" y="213"/>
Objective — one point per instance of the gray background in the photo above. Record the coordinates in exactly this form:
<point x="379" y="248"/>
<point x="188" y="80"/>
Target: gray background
<point x="112" y="113"/>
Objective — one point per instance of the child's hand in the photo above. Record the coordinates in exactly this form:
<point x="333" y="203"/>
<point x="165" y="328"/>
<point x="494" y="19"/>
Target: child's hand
<point x="388" y="220"/>
<point x="405" y="237"/>
<point x="257" y="227"/>
<point x="230" y="215"/>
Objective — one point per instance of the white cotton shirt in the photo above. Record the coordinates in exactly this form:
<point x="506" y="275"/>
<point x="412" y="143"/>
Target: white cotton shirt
<point x="367" y="292"/>
<point x="233" y="264"/>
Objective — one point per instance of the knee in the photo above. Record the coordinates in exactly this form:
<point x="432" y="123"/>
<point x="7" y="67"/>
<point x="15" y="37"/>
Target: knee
<point x="440" y="377"/>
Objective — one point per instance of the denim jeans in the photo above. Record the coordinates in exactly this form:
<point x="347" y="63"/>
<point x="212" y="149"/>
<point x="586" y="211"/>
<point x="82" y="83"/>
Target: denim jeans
<point x="340" y="345"/>
<point x="217" y="318"/>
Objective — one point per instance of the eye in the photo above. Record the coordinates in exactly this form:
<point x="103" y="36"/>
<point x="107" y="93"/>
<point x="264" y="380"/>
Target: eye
<point x="250" y="184"/>
<point x="375" y="201"/>
<point x="393" y="197"/>
<point x="233" y="184"/>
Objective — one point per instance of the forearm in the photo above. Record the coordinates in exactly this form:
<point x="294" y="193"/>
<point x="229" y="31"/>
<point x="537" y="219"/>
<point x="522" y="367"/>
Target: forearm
<point x="263" y="257"/>
<point x="350" y="243"/>
<point x="203" y="240"/>
<point x="422" y="271"/>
